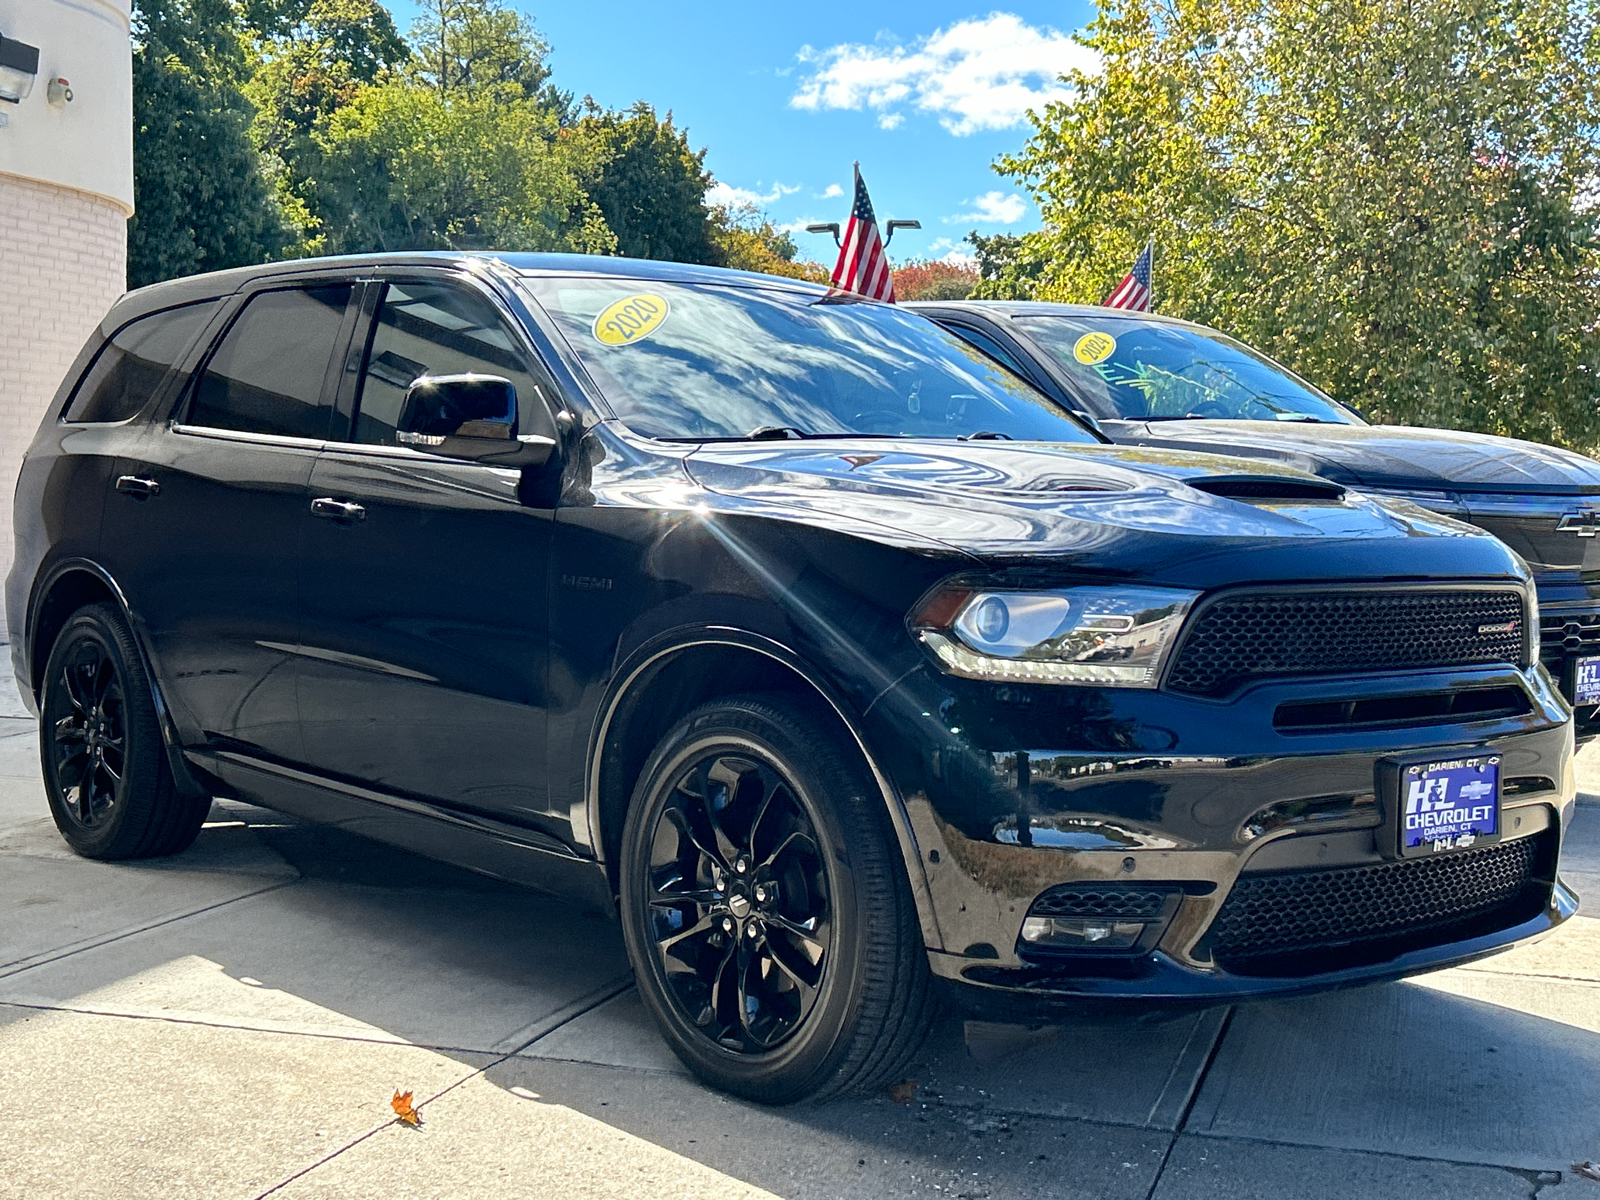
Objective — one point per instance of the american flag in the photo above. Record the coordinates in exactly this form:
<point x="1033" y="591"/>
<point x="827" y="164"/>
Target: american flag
<point x="1134" y="290"/>
<point x="863" y="263"/>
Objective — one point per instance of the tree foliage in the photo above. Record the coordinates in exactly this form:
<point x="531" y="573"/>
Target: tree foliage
<point x="747" y="240"/>
<point x="1387" y="195"/>
<point x="648" y="183"/>
<point x="200" y="201"/>
<point x="935" y="279"/>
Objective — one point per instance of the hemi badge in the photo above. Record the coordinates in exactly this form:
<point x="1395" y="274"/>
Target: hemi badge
<point x="1502" y="627"/>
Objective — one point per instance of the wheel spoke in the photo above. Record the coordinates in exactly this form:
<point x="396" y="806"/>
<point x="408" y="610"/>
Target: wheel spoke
<point x="807" y="984"/>
<point x="684" y="824"/>
<point x="704" y="925"/>
<point x="794" y="839"/>
<point x="807" y="933"/>
<point x="73" y="678"/>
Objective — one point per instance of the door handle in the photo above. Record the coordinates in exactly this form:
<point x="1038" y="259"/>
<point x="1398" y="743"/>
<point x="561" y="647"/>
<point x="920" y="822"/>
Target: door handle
<point x="139" y="489"/>
<point x="337" y="510"/>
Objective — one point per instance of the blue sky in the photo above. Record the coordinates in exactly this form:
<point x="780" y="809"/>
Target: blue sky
<point x="925" y="96"/>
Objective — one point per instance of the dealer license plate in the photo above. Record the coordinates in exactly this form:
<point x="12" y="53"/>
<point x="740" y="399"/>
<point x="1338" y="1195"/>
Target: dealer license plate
<point x="1586" y="681"/>
<point x="1451" y="804"/>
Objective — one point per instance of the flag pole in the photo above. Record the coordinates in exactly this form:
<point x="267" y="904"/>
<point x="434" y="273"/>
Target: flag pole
<point x="1151" y="246"/>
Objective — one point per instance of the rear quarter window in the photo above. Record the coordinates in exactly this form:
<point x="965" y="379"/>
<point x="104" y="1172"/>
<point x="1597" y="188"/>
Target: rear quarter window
<point x="133" y="362"/>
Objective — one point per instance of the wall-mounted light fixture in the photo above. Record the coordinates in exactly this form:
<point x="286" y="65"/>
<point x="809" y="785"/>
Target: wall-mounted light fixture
<point x="19" y="67"/>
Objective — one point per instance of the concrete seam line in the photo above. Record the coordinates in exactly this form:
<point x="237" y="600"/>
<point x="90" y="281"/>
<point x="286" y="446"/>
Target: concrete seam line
<point x="519" y="1040"/>
<point x="1588" y="979"/>
<point x="1180" y="1059"/>
<point x="18" y="965"/>
<point x="39" y="1006"/>
<point x="1189" y="1101"/>
<point x="1395" y="1154"/>
<point x="572" y="1011"/>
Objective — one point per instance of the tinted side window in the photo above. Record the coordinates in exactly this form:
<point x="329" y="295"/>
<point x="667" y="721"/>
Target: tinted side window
<point x="989" y="346"/>
<point x="437" y="329"/>
<point x="133" y="363"/>
<point x="266" y="375"/>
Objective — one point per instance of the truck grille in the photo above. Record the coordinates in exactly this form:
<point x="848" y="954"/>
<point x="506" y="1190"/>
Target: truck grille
<point x="1564" y="633"/>
<point x="1301" y="922"/>
<point x="1238" y="638"/>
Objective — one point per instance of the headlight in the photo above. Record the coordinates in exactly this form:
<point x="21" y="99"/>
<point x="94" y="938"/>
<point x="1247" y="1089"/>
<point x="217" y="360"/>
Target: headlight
<point x="1116" y="637"/>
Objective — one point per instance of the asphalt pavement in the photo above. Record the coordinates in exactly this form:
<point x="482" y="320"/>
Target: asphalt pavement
<point x="234" y="1021"/>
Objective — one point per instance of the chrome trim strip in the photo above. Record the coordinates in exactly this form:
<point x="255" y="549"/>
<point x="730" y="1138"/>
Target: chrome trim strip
<point x="254" y="439"/>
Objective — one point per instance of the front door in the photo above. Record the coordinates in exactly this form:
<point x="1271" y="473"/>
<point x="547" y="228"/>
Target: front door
<point x="422" y="659"/>
<point x="203" y="528"/>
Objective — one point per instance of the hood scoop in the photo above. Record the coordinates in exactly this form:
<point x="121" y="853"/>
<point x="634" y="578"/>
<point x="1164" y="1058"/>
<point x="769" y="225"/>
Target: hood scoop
<point x="1256" y="488"/>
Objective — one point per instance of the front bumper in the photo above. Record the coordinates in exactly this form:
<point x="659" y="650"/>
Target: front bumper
<point x="996" y="827"/>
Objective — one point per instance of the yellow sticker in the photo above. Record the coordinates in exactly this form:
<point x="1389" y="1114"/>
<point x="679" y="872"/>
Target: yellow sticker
<point x="1092" y="348"/>
<point x="631" y="319"/>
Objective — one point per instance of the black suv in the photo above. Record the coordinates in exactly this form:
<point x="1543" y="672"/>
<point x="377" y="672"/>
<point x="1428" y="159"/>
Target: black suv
<point x="843" y="664"/>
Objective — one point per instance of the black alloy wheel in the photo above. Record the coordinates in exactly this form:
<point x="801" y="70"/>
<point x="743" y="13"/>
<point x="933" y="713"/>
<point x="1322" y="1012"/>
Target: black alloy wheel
<point x="739" y="902"/>
<point x="107" y="778"/>
<point x="765" y="906"/>
<point x="90" y="736"/>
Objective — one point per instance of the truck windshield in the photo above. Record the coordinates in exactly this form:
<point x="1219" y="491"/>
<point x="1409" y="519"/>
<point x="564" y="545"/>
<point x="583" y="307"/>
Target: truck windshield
<point x="1150" y="371"/>
<point x="700" y="362"/>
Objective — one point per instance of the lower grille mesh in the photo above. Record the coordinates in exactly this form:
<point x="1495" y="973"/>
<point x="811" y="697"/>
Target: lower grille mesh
<point x="1269" y="919"/>
<point x="1105" y="903"/>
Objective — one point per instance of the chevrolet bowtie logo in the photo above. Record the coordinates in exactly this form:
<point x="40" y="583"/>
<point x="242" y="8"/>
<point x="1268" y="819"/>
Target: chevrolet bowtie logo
<point x="1584" y="524"/>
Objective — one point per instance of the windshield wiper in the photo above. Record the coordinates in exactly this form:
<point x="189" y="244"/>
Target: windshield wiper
<point x="985" y="435"/>
<point x="776" y="433"/>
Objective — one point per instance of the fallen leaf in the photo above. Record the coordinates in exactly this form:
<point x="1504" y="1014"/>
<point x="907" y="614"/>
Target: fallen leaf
<point x="1589" y="1170"/>
<point x="402" y="1108"/>
<point x="903" y="1092"/>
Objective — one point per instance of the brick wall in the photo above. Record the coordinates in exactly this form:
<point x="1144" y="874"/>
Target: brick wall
<point x="63" y="262"/>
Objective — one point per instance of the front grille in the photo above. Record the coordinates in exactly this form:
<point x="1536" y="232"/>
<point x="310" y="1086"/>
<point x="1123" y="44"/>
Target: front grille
<point x="1561" y="634"/>
<point x="1248" y="636"/>
<point x="1105" y="903"/>
<point x="1305" y="922"/>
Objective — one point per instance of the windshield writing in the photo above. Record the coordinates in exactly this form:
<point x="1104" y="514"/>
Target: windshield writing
<point x="1146" y="370"/>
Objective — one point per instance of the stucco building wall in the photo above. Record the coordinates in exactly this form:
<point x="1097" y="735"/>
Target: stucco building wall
<point x="66" y="191"/>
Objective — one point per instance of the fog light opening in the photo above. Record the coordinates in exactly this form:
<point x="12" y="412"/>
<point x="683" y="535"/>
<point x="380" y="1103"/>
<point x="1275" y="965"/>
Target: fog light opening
<point x="1076" y="933"/>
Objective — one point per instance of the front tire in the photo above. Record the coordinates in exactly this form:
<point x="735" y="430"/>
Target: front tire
<point x="765" y="908"/>
<point x="106" y="773"/>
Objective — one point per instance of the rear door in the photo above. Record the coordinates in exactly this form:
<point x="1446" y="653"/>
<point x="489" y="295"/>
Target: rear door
<point x="204" y="526"/>
<point x="423" y="668"/>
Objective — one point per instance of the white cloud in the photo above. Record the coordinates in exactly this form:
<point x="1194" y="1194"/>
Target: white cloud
<point x="720" y="193"/>
<point x="832" y="190"/>
<point x="981" y="73"/>
<point x="992" y="208"/>
<point x="952" y="253"/>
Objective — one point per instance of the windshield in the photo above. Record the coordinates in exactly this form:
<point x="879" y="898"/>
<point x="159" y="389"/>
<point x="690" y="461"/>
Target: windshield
<point x="696" y="362"/>
<point x="1147" y="370"/>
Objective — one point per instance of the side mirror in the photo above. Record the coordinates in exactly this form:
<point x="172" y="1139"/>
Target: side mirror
<point x="470" y="416"/>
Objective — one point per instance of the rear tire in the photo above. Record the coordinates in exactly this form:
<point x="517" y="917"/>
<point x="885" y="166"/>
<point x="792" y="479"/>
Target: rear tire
<point x="106" y="773"/>
<point x="765" y="906"/>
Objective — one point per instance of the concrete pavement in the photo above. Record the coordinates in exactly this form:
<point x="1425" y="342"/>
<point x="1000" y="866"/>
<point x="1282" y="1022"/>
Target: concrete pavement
<point x="232" y="1023"/>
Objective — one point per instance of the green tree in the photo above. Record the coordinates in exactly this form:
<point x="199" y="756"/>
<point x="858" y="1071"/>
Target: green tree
<point x="1387" y="195"/>
<point x="312" y="58"/>
<point x="403" y="166"/>
<point x="485" y="47"/>
<point x="200" y="201"/>
<point x="649" y="184"/>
